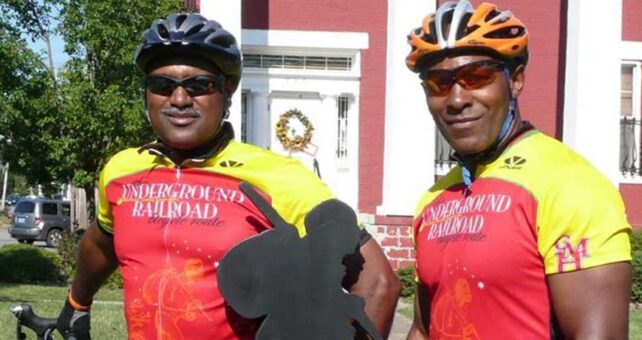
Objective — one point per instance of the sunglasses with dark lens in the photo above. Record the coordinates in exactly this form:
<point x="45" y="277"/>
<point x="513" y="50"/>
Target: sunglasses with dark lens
<point x="194" y="86"/>
<point x="470" y="76"/>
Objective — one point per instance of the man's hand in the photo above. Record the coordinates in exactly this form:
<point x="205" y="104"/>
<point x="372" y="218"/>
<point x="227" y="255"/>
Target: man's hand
<point x="74" y="323"/>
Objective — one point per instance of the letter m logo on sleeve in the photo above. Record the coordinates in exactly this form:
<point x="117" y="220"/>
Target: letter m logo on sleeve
<point x="569" y="256"/>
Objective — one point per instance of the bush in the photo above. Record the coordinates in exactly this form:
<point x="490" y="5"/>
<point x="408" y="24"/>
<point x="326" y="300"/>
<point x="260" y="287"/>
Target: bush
<point x="636" y="240"/>
<point x="408" y="283"/>
<point x="115" y="281"/>
<point x="23" y="263"/>
<point x="68" y="252"/>
<point x="636" y="287"/>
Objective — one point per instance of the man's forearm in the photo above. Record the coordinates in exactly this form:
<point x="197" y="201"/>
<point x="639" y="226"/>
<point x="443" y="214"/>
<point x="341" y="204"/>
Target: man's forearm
<point x="379" y="286"/>
<point x="96" y="262"/>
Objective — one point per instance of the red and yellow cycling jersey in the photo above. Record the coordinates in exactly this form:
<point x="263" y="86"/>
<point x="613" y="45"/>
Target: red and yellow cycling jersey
<point x="172" y="225"/>
<point x="483" y="256"/>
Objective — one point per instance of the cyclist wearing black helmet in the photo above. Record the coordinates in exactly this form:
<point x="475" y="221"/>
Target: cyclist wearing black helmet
<point x="523" y="238"/>
<point x="169" y="210"/>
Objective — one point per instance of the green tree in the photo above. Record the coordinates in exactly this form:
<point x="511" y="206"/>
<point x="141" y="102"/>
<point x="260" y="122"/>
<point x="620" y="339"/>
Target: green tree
<point x="17" y="185"/>
<point x="27" y="94"/>
<point x="65" y="128"/>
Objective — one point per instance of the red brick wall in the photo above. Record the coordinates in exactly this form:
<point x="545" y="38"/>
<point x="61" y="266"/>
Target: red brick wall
<point x="394" y="236"/>
<point x="632" y="195"/>
<point x="192" y="5"/>
<point x="352" y="16"/>
<point x="631" y="23"/>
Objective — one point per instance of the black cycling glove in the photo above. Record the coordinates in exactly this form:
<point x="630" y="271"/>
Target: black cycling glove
<point x="74" y="323"/>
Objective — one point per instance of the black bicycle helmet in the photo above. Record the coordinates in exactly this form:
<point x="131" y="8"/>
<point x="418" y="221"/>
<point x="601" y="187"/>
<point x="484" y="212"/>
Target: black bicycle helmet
<point x="192" y="35"/>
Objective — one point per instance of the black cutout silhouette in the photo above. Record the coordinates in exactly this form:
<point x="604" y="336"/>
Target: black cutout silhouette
<point x="295" y="283"/>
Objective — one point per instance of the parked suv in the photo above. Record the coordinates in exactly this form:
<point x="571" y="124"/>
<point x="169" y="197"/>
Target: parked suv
<point x="12" y="199"/>
<point x="38" y="219"/>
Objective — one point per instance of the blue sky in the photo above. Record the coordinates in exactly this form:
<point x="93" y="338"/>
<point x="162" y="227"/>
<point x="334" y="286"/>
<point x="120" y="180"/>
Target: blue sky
<point x="57" y="48"/>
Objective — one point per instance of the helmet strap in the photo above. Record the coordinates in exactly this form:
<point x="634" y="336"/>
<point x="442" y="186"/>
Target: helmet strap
<point x="227" y="98"/>
<point x="510" y="115"/>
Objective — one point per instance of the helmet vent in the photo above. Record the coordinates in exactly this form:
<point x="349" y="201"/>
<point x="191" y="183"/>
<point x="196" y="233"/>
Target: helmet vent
<point x="491" y="15"/>
<point x="463" y="29"/>
<point x="445" y="23"/>
<point x="506" y="33"/>
<point x="428" y="37"/>
<point x="162" y="31"/>
<point x="180" y="19"/>
<point x="194" y="29"/>
<point x="470" y="29"/>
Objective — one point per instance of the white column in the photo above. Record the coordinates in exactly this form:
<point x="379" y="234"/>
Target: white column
<point x="260" y="116"/>
<point x="325" y="138"/>
<point x="228" y="14"/>
<point x="409" y="149"/>
<point x="592" y="97"/>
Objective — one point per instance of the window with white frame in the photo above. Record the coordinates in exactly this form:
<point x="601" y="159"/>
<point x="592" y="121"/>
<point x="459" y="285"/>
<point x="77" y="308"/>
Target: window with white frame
<point x="631" y="95"/>
<point x="343" y="103"/>
<point x="281" y="61"/>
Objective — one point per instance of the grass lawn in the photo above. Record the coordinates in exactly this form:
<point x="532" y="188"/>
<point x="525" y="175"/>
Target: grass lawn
<point x="635" y="325"/>
<point x="107" y="320"/>
<point x="635" y="320"/>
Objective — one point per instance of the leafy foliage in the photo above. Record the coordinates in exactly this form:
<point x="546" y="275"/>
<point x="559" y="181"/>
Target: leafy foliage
<point x="68" y="253"/>
<point x="407" y="279"/>
<point x="636" y="240"/>
<point x="17" y="184"/>
<point x="636" y="287"/>
<point x="63" y="129"/>
<point x="24" y="263"/>
<point x="636" y="251"/>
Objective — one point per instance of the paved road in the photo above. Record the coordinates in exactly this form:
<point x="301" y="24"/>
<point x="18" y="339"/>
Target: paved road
<point x="4" y="237"/>
<point x="401" y="324"/>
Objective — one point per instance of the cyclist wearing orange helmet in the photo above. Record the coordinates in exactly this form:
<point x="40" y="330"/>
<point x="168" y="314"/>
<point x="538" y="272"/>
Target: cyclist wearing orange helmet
<point x="523" y="239"/>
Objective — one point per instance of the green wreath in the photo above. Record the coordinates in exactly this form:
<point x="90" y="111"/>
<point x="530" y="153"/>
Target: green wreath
<point x="294" y="142"/>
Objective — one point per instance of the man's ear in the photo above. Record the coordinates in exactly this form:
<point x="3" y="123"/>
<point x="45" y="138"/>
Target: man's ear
<point x="229" y="86"/>
<point x="517" y="80"/>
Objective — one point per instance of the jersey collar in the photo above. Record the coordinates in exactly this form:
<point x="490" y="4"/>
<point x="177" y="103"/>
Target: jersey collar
<point x="197" y="155"/>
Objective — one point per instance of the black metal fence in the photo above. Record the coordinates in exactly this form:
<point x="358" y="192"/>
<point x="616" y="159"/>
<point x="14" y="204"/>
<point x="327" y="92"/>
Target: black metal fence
<point x="629" y="146"/>
<point x="443" y="150"/>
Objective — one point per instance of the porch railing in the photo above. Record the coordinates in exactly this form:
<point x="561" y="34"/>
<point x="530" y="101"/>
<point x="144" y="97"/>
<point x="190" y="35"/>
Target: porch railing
<point x="443" y="150"/>
<point x="629" y="146"/>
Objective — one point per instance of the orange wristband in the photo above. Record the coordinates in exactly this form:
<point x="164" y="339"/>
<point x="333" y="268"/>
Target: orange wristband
<point x="75" y="304"/>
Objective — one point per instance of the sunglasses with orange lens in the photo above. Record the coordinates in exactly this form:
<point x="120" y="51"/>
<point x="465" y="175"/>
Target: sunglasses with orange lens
<point x="471" y="76"/>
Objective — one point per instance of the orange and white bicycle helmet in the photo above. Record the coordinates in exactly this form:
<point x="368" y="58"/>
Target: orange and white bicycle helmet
<point x="458" y="28"/>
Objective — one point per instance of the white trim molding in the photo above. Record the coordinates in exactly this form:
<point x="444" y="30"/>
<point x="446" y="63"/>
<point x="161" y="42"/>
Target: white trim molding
<point x="409" y="147"/>
<point x="590" y="110"/>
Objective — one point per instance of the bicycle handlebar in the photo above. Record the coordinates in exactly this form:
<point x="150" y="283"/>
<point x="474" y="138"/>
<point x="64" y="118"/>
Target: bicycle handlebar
<point x="43" y="327"/>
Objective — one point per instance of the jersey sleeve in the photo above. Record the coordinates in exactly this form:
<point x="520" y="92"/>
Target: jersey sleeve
<point x="294" y="190"/>
<point x="582" y="222"/>
<point x="304" y="192"/>
<point x="105" y="217"/>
